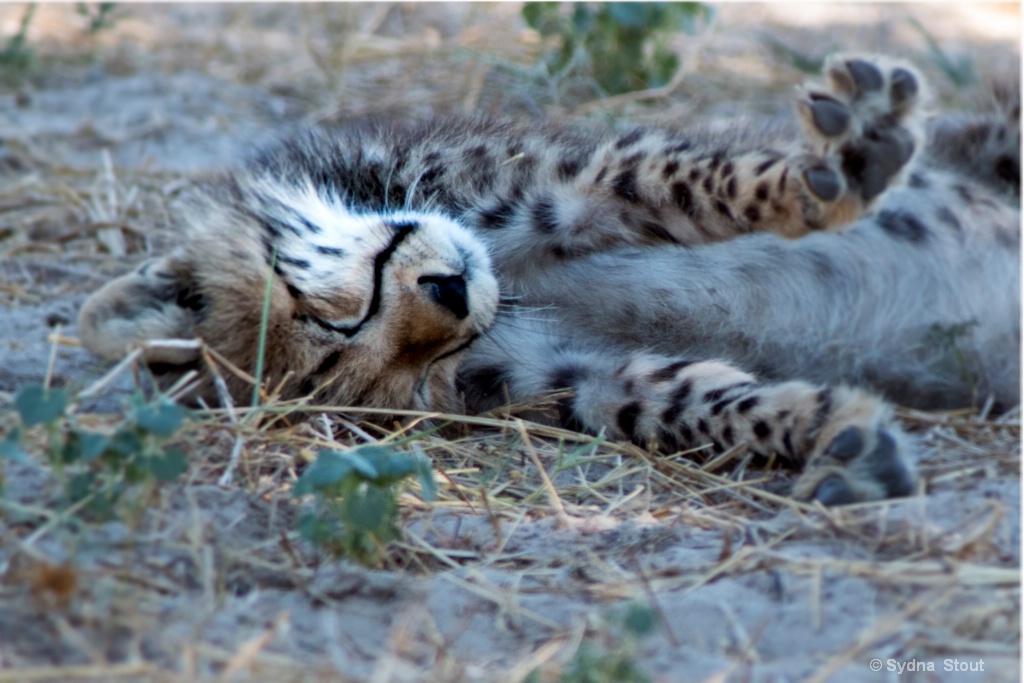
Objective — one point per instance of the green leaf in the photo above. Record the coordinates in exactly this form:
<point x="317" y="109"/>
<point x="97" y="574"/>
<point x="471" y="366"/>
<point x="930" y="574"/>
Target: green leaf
<point x="631" y="14"/>
<point x="331" y="468"/>
<point x="93" y="444"/>
<point x="582" y="18"/>
<point x="389" y="466"/>
<point x="38" y="405"/>
<point x="639" y="620"/>
<point x="162" y="419"/>
<point x="86" y="446"/>
<point x="321" y="532"/>
<point x="102" y="506"/>
<point x="168" y="466"/>
<point x="372" y="510"/>
<point x="80" y="486"/>
<point x="425" y="473"/>
<point x="125" y="442"/>
<point x="539" y="15"/>
<point x="10" y="448"/>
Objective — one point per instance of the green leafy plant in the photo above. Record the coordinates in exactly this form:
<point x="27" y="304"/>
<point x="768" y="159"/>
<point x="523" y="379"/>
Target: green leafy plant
<point x="100" y="16"/>
<point x="619" y="46"/>
<point x="16" y="55"/>
<point x="356" y="499"/>
<point x="97" y="468"/>
<point x="614" y="659"/>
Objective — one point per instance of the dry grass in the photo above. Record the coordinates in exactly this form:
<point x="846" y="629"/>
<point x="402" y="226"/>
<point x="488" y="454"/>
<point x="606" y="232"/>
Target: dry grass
<point x="101" y="604"/>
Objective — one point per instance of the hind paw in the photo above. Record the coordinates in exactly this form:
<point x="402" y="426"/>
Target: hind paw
<point x="863" y="128"/>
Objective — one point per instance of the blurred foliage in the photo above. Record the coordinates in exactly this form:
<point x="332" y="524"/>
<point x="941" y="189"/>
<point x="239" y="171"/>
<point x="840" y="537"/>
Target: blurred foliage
<point x="100" y="16"/>
<point x="960" y="71"/>
<point x="620" y="46"/>
<point x="356" y="499"/>
<point x="614" y="657"/>
<point x="16" y="54"/>
<point x="95" y="469"/>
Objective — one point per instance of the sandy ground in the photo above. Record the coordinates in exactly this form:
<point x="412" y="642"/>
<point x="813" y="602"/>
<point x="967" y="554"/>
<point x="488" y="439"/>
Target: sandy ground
<point x="501" y="578"/>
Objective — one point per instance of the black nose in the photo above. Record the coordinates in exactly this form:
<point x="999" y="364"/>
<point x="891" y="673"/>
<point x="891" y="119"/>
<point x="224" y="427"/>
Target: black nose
<point x="449" y="291"/>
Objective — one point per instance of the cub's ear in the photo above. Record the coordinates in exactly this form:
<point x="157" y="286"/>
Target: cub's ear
<point x="157" y="300"/>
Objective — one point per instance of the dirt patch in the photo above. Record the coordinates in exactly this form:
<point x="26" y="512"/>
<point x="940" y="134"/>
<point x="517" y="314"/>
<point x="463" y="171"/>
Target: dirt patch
<point x="503" y="576"/>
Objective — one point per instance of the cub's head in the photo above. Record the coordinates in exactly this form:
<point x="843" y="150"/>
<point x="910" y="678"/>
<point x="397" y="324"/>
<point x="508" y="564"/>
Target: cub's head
<point x="367" y="309"/>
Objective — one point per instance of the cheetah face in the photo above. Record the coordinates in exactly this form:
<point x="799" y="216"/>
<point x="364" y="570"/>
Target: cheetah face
<point x="364" y="309"/>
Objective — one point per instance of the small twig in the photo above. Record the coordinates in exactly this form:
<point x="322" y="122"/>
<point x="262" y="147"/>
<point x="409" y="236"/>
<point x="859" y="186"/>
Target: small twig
<point x="561" y="518"/>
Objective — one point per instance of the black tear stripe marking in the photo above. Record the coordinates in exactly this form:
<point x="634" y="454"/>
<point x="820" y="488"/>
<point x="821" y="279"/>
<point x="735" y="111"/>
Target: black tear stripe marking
<point x="402" y="231"/>
<point x="903" y="225"/>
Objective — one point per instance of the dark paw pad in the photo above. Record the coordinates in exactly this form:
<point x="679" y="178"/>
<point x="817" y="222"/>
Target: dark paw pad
<point x="886" y="467"/>
<point x="865" y="75"/>
<point x="871" y="164"/>
<point x="830" y="117"/>
<point x="834" y="491"/>
<point x="823" y="182"/>
<point x="903" y="88"/>
<point x="847" y="445"/>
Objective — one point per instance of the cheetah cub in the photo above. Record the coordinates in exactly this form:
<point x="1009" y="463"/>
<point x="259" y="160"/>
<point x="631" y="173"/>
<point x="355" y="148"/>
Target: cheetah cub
<point x="459" y="263"/>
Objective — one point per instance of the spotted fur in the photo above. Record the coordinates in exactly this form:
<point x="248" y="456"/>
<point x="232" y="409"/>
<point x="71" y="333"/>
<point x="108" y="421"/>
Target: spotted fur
<point x="640" y="270"/>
